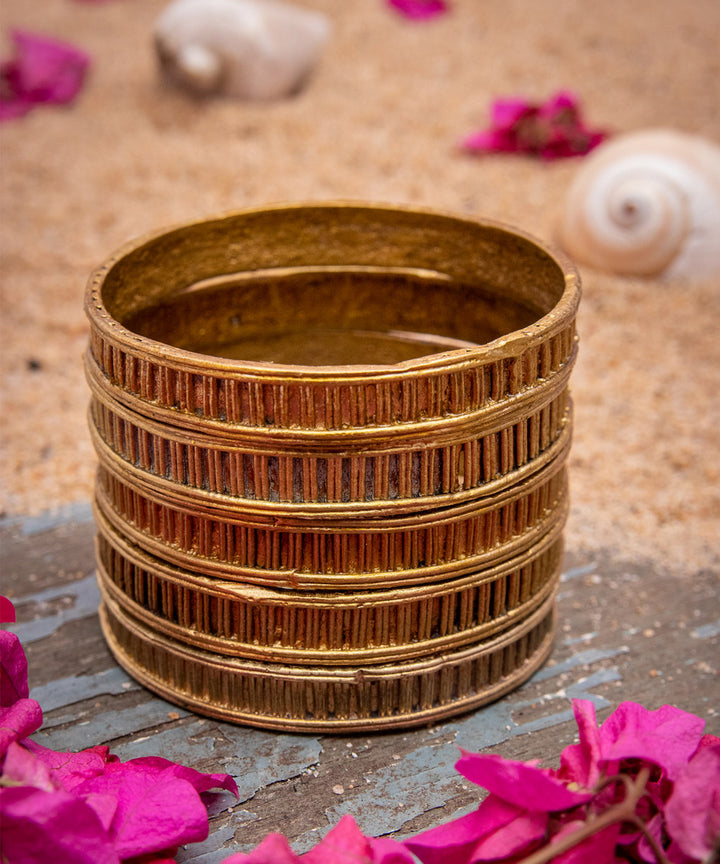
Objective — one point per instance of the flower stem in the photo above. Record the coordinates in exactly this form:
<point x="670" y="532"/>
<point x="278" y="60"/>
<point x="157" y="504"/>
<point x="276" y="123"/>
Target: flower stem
<point x="624" y="811"/>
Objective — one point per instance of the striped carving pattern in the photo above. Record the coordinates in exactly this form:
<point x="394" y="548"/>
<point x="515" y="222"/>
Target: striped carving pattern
<point x="232" y="619"/>
<point x="272" y="554"/>
<point x="336" y="699"/>
<point x="367" y="477"/>
<point x="301" y="404"/>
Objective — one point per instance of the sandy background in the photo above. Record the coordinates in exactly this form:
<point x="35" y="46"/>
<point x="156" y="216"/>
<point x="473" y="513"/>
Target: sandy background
<point x="379" y="121"/>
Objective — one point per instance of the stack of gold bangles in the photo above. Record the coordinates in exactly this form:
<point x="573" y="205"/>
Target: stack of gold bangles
<point x="332" y="444"/>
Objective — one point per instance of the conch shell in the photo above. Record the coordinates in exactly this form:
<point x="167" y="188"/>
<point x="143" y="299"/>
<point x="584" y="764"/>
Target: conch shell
<point x="647" y="204"/>
<point x="248" y="49"/>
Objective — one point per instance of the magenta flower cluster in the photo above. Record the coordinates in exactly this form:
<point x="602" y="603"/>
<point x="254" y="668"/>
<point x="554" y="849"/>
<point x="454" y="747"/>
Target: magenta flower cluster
<point x="643" y="787"/>
<point x="87" y="807"/>
<point x="551" y="130"/>
<point x="419" y="10"/>
<point x="43" y="70"/>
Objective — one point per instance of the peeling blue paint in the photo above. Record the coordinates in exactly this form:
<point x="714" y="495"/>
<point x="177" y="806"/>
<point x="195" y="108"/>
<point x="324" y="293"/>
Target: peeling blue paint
<point x="86" y="595"/>
<point x="78" y="512"/>
<point x="211" y="851"/>
<point x="584" y="637"/>
<point x="707" y="631"/>
<point x="423" y="780"/>
<point x="77" y="688"/>
<point x="575" y="572"/>
<point x="582" y="658"/>
<point x="257" y="759"/>
<point x="185" y="743"/>
<point x="105" y="727"/>
<point x="219" y="845"/>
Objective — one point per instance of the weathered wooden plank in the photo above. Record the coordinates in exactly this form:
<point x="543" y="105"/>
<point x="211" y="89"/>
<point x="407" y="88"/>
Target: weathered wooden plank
<point x="627" y="631"/>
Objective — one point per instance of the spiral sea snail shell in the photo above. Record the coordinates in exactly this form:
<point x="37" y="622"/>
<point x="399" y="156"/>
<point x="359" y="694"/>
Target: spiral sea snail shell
<point x="647" y="204"/>
<point x="247" y="49"/>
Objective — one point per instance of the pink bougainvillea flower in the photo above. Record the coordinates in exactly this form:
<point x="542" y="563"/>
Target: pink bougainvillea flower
<point x="419" y="10"/>
<point x="13" y="670"/>
<point x="7" y="611"/>
<point x="20" y="716"/>
<point x="675" y="769"/>
<point x="343" y="844"/>
<point x="147" y="806"/>
<point x="17" y="722"/>
<point x="40" y="826"/>
<point x="526" y="831"/>
<point x="667" y="737"/>
<point x="71" y="769"/>
<point x="580" y="763"/>
<point x="89" y="806"/>
<point x="693" y="812"/>
<point x="495" y="827"/>
<point x="21" y="768"/>
<point x="44" y="70"/>
<point x="597" y="849"/>
<point x="453" y="842"/>
<point x="551" y="130"/>
<point x="346" y="844"/>
<point x="274" y="849"/>
<point x="157" y="803"/>
<point x="513" y="819"/>
<point x="522" y="784"/>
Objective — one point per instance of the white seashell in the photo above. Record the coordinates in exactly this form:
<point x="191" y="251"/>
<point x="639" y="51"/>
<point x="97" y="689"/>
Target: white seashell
<point x="249" y="49"/>
<point x="647" y="204"/>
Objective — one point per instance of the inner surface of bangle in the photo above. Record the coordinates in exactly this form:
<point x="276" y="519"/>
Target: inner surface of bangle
<point x="330" y="315"/>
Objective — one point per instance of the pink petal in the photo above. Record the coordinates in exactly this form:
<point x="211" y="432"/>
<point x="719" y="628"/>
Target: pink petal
<point x="707" y="740"/>
<point x="507" y="112"/>
<point x="598" y="848"/>
<point x="13" y="670"/>
<point x="71" y="769"/>
<point x="693" y="812"/>
<point x="199" y="781"/>
<point x="579" y="763"/>
<point x="518" y="783"/>
<point x="44" y="70"/>
<point x="40" y="827"/>
<point x="525" y="830"/>
<point x="343" y="844"/>
<point x="105" y="807"/>
<point x="7" y="611"/>
<point x="274" y="849"/>
<point x="155" y="811"/>
<point x="560" y="102"/>
<point x="419" y="9"/>
<point x="453" y="842"/>
<point x="22" y="768"/>
<point x="48" y="70"/>
<point x="575" y="142"/>
<point x="385" y="850"/>
<point x="491" y="141"/>
<point x="654" y="827"/>
<point x="17" y="722"/>
<point x="667" y="737"/>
